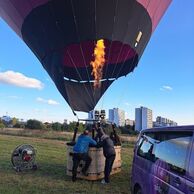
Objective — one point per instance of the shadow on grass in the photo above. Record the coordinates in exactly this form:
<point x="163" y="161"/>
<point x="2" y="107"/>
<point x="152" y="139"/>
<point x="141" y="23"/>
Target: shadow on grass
<point x="49" y="170"/>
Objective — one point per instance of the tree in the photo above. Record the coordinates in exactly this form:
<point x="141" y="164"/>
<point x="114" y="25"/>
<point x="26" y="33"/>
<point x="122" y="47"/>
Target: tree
<point x="57" y="126"/>
<point x="108" y="129"/>
<point x="19" y="125"/>
<point x="14" y="121"/>
<point x="81" y="127"/>
<point x="128" y="129"/>
<point x="72" y="126"/>
<point x="65" y="127"/>
<point x="2" y="125"/>
<point x="34" y="124"/>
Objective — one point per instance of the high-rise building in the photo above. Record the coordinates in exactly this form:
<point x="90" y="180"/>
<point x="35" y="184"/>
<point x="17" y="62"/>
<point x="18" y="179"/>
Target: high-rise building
<point x="163" y="122"/>
<point x="117" y="116"/>
<point x="143" y="118"/>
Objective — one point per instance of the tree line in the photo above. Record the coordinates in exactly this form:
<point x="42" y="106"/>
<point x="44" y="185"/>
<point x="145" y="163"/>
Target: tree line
<point x="57" y="126"/>
<point x="36" y="124"/>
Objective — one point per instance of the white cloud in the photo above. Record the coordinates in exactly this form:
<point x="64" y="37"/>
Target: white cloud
<point x="20" y="80"/>
<point x="14" y="97"/>
<point x="52" y="102"/>
<point x="166" y="88"/>
<point x="49" y="101"/>
<point x="40" y="99"/>
<point x="127" y="104"/>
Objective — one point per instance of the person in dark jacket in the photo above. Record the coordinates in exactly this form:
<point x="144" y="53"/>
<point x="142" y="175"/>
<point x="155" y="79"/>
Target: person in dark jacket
<point x="80" y="152"/>
<point x="115" y="138"/>
<point x="106" y="143"/>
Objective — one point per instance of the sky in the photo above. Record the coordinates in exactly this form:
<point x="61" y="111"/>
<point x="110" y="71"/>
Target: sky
<point x="163" y="80"/>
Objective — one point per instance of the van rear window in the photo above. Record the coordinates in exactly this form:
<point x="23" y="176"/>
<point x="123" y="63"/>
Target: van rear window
<point x="169" y="147"/>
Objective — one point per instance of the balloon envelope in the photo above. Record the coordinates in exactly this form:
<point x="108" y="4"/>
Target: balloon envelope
<point x="63" y="34"/>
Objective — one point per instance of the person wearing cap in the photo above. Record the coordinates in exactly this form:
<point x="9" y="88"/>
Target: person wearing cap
<point x="80" y="152"/>
<point x="107" y="144"/>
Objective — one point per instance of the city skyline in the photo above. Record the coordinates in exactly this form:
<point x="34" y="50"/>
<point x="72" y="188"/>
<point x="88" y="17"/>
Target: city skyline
<point x="163" y="80"/>
<point x="106" y="115"/>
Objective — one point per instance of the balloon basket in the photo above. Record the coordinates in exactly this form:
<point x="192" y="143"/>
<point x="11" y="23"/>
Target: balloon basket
<point x="96" y="169"/>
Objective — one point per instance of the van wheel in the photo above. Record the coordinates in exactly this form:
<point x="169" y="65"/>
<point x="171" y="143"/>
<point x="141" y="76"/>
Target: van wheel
<point x="137" y="190"/>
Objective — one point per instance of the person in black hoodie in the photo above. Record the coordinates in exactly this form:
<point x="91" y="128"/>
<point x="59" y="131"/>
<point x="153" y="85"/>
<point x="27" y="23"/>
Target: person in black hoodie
<point x="106" y="143"/>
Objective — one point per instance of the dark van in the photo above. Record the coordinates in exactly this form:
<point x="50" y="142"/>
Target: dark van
<point x="163" y="161"/>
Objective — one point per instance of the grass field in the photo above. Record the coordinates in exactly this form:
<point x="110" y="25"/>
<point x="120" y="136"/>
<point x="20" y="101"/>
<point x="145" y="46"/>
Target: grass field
<point x="51" y="174"/>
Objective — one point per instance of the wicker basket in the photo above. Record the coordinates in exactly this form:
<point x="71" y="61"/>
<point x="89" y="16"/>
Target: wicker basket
<point x="96" y="169"/>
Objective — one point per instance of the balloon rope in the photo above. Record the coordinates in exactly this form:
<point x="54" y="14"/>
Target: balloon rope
<point x="90" y="83"/>
<point x="79" y="74"/>
<point x="124" y="88"/>
<point x="142" y="16"/>
<point x="142" y="49"/>
<point x="74" y="113"/>
<point x="109" y="52"/>
<point x="122" y="44"/>
<point x="68" y="52"/>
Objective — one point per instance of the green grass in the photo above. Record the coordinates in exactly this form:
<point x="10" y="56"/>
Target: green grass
<point x="51" y="174"/>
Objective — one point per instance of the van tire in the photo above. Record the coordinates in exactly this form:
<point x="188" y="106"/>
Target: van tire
<point x="137" y="190"/>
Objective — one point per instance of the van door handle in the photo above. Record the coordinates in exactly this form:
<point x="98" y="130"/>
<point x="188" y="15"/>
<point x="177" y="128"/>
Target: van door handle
<point x="191" y="189"/>
<point x="177" y="180"/>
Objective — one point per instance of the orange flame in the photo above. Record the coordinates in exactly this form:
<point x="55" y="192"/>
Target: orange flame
<point x="98" y="63"/>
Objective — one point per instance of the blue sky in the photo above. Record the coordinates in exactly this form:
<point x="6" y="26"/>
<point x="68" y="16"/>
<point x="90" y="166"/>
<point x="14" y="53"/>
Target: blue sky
<point x="163" y="80"/>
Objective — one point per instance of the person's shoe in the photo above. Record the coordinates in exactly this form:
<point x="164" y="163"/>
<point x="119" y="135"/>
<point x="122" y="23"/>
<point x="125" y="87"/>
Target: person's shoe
<point x="73" y="179"/>
<point x="84" y="173"/>
<point x="103" y="182"/>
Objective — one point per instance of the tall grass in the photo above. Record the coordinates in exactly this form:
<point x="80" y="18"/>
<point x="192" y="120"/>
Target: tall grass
<point x="44" y="134"/>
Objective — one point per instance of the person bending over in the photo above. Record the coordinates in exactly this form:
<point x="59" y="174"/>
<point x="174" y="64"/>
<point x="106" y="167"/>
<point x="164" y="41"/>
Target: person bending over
<point x="80" y="152"/>
<point x="108" y="151"/>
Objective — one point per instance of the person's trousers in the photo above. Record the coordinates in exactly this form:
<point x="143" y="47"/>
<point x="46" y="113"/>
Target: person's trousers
<point x="108" y="167"/>
<point x="77" y="157"/>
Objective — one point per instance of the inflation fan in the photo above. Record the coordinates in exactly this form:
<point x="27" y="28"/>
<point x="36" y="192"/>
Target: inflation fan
<point x="23" y="158"/>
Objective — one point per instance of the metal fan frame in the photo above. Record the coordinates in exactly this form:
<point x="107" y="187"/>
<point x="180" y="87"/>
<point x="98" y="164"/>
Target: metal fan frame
<point x="17" y="158"/>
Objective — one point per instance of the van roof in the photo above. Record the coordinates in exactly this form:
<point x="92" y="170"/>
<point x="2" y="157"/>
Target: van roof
<point x="170" y="128"/>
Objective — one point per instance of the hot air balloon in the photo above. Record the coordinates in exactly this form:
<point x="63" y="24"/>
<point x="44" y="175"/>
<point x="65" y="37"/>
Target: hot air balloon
<point x="68" y="35"/>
